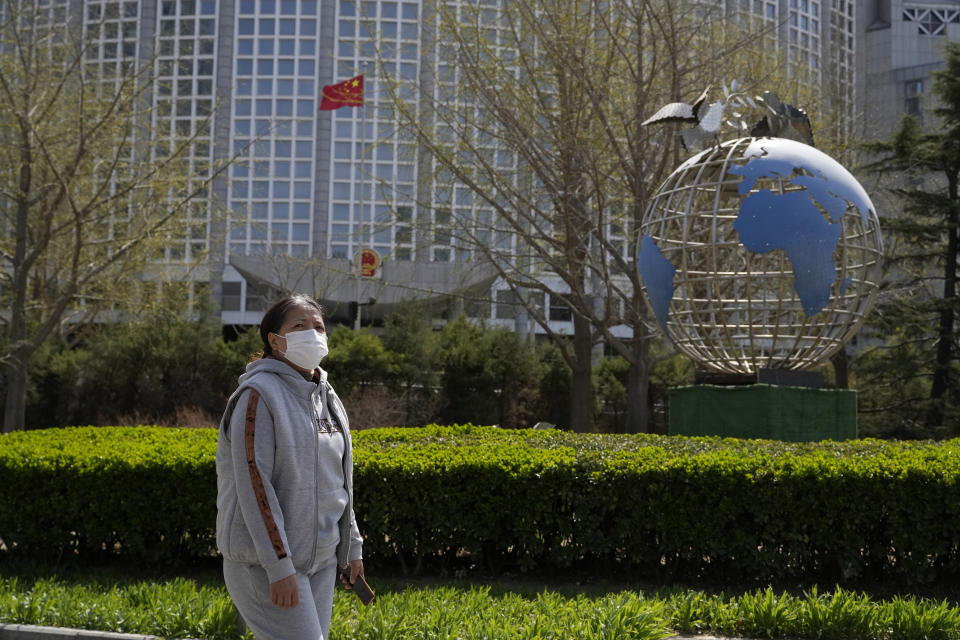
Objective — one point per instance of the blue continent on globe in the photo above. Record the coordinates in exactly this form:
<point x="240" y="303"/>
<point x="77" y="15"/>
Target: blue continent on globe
<point x="791" y="221"/>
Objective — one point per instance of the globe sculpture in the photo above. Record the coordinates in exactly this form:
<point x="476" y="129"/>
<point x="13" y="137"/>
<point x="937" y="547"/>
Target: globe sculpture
<point x="760" y="253"/>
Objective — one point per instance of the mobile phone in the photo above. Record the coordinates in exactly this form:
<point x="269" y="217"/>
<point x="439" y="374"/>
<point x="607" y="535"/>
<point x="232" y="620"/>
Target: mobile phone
<point x="360" y="587"/>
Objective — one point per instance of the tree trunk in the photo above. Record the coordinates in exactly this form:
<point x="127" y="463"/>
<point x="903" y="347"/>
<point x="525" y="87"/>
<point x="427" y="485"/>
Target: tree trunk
<point x="638" y="382"/>
<point x="15" y="404"/>
<point x="581" y="382"/>
<point x="841" y="372"/>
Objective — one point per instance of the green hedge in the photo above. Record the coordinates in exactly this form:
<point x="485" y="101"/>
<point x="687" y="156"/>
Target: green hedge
<point x="146" y="493"/>
<point x="669" y="507"/>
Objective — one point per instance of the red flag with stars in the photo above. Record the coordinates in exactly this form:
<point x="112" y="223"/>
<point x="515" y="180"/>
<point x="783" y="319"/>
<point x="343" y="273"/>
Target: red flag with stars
<point x="348" y="93"/>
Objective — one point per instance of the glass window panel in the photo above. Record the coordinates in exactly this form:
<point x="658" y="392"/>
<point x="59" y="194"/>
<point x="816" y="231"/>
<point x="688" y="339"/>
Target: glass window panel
<point x="308" y="47"/>
<point x="303" y="170"/>
<point x="288" y="7"/>
<point x="268" y="7"/>
<point x="301" y="232"/>
<point x="301" y="211"/>
<point x="304" y="149"/>
<point x="288" y="47"/>
<point x="341" y="212"/>
<point x="285" y="87"/>
<point x="246" y="27"/>
<point x="261" y="210"/>
<point x="308" y="27"/>
<point x="264" y="108"/>
<point x="242" y="107"/>
<point x="410" y="11"/>
<point x="265" y="87"/>
<point x="305" y="128"/>
<point x="281" y="210"/>
<point x="309" y="8"/>
<point x="305" y="67"/>
<point x="347" y="28"/>
<point x="279" y="231"/>
<point x="284" y="107"/>
<point x="288" y="27"/>
<point x="348" y="8"/>
<point x="305" y="107"/>
<point x="267" y="26"/>
<point x="285" y="67"/>
<point x="281" y="169"/>
<point x="301" y="190"/>
<point x="265" y="67"/>
<point x="282" y="148"/>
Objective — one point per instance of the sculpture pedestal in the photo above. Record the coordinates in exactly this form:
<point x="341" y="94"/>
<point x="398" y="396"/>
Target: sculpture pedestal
<point x="794" y="414"/>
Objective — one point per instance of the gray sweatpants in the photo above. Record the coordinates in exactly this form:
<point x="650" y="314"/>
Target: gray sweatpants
<point x="309" y="620"/>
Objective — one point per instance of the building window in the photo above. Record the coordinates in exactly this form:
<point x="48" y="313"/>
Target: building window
<point x="931" y="22"/>
<point x="256" y="298"/>
<point x="507" y="303"/>
<point x="231" y="296"/>
<point x="913" y="91"/>
<point x="559" y="312"/>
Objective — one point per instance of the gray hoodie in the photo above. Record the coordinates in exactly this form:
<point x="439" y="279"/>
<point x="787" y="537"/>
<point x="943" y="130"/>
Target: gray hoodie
<point x="270" y="485"/>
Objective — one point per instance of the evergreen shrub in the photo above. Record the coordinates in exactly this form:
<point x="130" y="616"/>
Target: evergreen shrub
<point x="455" y="497"/>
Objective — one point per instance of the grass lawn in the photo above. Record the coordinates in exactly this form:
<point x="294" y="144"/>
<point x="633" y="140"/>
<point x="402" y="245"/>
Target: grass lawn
<point x="193" y="603"/>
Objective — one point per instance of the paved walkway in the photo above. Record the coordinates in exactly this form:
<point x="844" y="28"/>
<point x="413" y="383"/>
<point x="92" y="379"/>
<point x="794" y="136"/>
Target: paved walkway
<point x="32" y="632"/>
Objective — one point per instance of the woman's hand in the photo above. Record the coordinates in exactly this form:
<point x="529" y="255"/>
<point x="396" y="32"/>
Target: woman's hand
<point x="284" y="593"/>
<point x="356" y="569"/>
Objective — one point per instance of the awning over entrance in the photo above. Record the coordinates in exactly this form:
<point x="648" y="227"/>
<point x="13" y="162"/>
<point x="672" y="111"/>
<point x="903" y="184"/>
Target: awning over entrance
<point x="336" y="283"/>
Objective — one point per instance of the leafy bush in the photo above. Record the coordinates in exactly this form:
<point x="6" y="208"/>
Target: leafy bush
<point x="148" y="369"/>
<point x="456" y="497"/>
<point x="148" y="494"/>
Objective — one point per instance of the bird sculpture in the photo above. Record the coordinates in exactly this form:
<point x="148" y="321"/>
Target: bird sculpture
<point x="782" y="120"/>
<point x="707" y="118"/>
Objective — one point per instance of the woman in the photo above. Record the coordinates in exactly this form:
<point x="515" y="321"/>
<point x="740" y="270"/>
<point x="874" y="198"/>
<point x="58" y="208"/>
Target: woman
<point x="285" y="518"/>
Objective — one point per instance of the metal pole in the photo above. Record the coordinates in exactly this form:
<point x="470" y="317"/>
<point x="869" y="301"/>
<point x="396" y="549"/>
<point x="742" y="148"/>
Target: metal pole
<point x="358" y="264"/>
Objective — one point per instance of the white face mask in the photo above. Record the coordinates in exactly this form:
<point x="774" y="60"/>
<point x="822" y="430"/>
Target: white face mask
<point x="306" y="348"/>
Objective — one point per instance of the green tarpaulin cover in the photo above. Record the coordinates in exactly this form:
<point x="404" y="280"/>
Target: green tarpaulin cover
<point x="796" y="414"/>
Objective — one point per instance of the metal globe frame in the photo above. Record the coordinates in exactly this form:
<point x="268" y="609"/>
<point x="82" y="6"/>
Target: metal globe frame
<point x="734" y="311"/>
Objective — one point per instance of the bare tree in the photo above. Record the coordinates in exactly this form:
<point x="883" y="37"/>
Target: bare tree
<point x="535" y="109"/>
<point x="89" y="197"/>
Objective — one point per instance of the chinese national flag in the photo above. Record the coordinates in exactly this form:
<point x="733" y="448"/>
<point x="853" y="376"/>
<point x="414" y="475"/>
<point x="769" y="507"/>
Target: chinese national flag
<point x="348" y="93"/>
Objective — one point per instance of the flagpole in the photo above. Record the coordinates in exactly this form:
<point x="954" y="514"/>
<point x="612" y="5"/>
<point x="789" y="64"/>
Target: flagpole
<point x="357" y="256"/>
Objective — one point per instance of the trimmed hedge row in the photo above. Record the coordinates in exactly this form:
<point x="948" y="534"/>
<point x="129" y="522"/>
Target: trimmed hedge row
<point x="146" y="493"/>
<point x="459" y="496"/>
